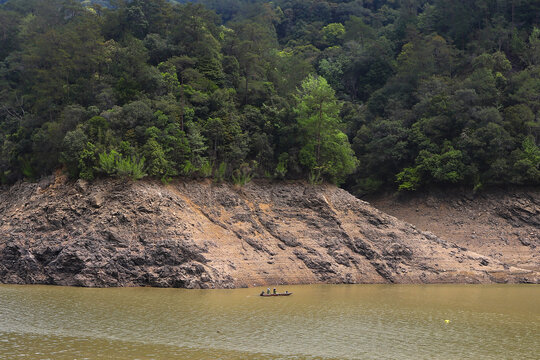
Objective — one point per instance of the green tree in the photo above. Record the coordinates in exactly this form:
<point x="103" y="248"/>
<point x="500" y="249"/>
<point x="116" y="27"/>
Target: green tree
<point x="107" y="162"/>
<point x="333" y="33"/>
<point x="87" y="160"/>
<point x="325" y="148"/>
<point x="73" y="146"/>
<point x="251" y="48"/>
<point x="527" y="165"/>
<point x="157" y="164"/>
<point x="130" y="167"/>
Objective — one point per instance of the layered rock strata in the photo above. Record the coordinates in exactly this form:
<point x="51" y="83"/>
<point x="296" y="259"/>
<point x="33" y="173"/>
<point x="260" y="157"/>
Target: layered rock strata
<point x="205" y="235"/>
<point x="501" y="223"/>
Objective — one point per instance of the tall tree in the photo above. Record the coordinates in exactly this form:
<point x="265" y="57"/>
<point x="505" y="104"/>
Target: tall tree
<point x="251" y="47"/>
<point x="325" y="148"/>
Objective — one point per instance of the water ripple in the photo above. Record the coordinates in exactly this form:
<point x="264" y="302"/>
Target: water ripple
<point x="317" y="322"/>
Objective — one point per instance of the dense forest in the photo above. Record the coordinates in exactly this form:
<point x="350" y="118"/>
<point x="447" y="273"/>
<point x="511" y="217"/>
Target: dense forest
<point x="370" y="94"/>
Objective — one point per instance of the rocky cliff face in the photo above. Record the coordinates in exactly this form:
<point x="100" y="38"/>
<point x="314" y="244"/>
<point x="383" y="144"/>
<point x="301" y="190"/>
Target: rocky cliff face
<point x="202" y="235"/>
<point x="501" y="223"/>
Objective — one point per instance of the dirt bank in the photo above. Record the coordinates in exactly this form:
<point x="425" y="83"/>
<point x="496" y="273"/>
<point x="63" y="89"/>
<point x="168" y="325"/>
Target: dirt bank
<point x="202" y="235"/>
<point x="501" y="223"/>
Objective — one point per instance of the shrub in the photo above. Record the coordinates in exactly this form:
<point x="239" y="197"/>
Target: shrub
<point x="244" y="174"/>
<point x="205" y="170"/>
<point x="87" y="159"/>
<point x="130" y="167"/>
<point x="188" y="168"/>
<point x="409" y="179"/>
<point x="281" y="168"/>
<point x="107" y="162"/>
<point x="219" y="174"/>
<point x="315" y="176"/>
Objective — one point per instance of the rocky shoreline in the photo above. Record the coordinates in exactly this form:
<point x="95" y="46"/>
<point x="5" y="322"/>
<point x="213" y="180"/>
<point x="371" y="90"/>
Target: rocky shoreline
<point x="503" y="223"/>
<point x="204" y="235"/>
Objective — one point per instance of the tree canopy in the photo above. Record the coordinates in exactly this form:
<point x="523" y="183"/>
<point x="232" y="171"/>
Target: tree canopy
<point x="371" y="94"/>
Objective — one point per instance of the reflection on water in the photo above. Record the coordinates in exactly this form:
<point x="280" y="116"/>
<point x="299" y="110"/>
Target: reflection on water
<point x="318" y="321"/>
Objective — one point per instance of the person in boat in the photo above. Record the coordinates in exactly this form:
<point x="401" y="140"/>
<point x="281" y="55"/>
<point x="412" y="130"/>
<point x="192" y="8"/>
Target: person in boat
<point x="268" y="291"/>
<point x="262" y="293"/>
<point x="274" y="291"/>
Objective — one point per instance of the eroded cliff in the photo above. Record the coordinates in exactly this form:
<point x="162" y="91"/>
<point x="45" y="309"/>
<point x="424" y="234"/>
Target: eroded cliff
<point x="502" y="223"/>
<point x="204" y="235"/>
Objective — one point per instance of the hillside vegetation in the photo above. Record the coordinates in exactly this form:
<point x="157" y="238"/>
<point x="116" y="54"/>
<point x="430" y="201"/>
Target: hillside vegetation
<point x="371" y="94"/>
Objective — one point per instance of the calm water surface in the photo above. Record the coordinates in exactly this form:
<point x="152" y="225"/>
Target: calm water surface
<point x="317" y="322"/>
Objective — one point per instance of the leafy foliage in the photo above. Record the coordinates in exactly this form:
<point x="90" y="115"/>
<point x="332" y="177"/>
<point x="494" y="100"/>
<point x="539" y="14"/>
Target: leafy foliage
<point x="244" y="174"/>
<point x="427" y="91"/>
<point x="130" y="167"/>
<point x="325" y="149"/>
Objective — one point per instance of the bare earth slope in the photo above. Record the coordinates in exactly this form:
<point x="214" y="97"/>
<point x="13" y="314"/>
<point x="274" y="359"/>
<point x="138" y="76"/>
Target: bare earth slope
<point x="202" y="235"/>
<point x="504" y="224"/>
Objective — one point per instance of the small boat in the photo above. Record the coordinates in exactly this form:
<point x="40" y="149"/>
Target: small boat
<point x="278" y="294"/>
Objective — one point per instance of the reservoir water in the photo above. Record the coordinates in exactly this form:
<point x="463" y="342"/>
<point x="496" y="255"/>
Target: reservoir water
<point x="316" y="322"/>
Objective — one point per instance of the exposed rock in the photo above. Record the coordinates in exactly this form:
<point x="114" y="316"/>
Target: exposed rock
<point x="502" y="223"/>
<point x="81" y="185"/>
<point x="203" y="235"/>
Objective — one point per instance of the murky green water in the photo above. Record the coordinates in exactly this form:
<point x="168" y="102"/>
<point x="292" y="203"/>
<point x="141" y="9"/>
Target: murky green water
<point x="341" y="322"/>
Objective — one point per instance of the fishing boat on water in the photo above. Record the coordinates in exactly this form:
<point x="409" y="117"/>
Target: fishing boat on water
<point x="276" y="294"/>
